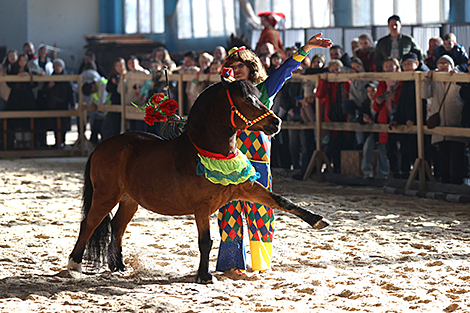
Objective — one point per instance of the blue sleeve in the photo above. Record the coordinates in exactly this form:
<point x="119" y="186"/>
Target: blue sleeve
<point x="278" y="77"/>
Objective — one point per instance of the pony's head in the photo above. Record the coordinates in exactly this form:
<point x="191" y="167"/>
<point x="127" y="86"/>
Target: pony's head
<point x="231" y="106"/>
<point x="246" y="111"/>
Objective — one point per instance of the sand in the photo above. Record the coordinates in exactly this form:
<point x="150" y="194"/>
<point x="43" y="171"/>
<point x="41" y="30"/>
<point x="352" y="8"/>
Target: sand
<point x="383" y="253"/>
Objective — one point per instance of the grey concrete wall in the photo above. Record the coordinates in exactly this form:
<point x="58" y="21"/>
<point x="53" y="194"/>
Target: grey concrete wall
<point x="14" y="26"/>
<point x="64" y="24"/>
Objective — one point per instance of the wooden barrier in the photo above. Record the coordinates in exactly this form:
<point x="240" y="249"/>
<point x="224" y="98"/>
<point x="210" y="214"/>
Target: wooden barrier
<point x="43" y="114"/>
<point x="319" y="158"/>
<point x="420" y="166"/>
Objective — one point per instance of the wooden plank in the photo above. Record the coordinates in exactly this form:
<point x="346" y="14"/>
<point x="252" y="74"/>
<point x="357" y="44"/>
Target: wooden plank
<point x="38" y="114"/>
<point x="38" y="78"/>
<point x="375" y="128"/>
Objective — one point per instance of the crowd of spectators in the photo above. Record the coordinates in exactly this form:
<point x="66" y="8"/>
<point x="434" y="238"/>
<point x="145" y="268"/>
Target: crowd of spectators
<point x="365" y="102"/>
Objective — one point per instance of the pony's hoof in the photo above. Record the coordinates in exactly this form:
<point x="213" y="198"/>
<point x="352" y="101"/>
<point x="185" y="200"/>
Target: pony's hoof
<point x="322" y="224"/>
<point x="74" y="266"/>
<point x="204" y="279"/>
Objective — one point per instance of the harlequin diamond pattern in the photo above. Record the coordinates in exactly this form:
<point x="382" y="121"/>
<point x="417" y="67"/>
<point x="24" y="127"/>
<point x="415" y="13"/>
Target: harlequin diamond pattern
<point x="260" y="222"/>
<point x="230" y="221"/>
<point x="256" y="145"/>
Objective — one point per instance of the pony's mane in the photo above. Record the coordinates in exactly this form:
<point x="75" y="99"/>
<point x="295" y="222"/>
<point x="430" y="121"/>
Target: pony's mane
<point x="207" y="95"/>
<point x="248" y="89"/>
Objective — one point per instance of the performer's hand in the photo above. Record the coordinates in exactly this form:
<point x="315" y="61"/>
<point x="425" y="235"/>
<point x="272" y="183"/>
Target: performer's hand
<point x="317" y="42"/>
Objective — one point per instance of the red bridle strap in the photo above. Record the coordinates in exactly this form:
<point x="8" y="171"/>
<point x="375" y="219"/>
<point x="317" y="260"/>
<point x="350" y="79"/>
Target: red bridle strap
<point x="213" y="155"/>
<point x="248" y="123"/>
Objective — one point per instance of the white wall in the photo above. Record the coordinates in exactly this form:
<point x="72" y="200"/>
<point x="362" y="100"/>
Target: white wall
<point x="64" y="23"/>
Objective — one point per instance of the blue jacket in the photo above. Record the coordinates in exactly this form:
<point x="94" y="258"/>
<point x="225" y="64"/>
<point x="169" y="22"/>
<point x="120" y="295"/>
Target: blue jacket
<point x="458" y="54"/>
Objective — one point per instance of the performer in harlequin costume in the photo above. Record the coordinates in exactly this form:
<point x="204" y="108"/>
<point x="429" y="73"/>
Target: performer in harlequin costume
<point x="269" y="33"/>
<point x="256" y="146"/>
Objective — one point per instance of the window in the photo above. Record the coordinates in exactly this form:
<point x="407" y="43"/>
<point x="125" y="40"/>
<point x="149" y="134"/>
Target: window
<point x="410" y="11"/>
<point x="206" y="18"/>
<point x="144" y="16"/>
<point x="299" y="13"/>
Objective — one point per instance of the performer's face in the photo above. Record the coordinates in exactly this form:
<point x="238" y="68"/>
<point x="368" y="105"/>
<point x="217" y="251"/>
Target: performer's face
<point x="240" y="71"/>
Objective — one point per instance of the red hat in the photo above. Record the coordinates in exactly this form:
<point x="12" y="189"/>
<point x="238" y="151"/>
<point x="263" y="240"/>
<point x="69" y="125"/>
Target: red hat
<point x="273" y="17"/>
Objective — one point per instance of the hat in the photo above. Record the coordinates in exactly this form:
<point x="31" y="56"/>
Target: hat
<point x="234" y="50"/>
<point x="372" y="84"/>
<point x="394" y="17"/>
<point x="272" y="16"/>
<point x="410" y="57"/>
<point x="60" y="62"/>
<point x="448" y="59"/>
<point x="227" y="72"/>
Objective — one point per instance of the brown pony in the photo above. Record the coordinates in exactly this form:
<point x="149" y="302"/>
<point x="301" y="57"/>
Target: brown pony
<point x="142" y="169"/>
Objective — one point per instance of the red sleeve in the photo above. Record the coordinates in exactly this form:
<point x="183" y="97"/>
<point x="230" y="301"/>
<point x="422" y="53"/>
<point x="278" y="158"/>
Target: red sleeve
<point x="381" y="89"/>
<point x="322" y="89"/>
<point x="347" y="87"/>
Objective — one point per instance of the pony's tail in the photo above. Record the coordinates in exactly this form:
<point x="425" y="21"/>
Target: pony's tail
<point x="97" y="246"/>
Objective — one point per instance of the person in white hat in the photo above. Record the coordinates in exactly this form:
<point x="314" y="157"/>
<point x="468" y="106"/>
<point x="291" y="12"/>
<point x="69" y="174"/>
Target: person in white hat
<point x="447" y="102"/>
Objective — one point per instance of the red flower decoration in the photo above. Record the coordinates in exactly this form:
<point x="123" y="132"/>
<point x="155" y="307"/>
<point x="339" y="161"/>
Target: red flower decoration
<point x="169" y="107"/>
<point x="149" y="110"/>
<point x="159" y="108"/>
<point x="159" y="116"/>
<point x="157" y="98"/>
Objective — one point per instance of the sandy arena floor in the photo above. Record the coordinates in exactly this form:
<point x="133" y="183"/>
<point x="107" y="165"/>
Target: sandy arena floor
<point x="383" y="253"/>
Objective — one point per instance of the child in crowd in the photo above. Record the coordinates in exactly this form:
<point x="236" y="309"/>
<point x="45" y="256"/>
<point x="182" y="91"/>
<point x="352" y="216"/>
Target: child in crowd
<point x="369" y="116"/>
<point x="96" y="89"/>
<point x="366" y="52"/>
<point x="215" y="67"/>
<point x="276" y="61"/>
<point x="447" y="101"/>
<point x="266" y="61"/>
<point x="405" y="114"/>
<point x="455" y="51"/>
<point x="386" y="100"/>
<point x="332" y="95"/>
<point x="357" y="95"/>
<point x="317" y="65"/>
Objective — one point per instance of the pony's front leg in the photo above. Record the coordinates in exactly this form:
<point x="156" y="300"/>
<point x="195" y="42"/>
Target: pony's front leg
<point x="204" y="276"/>
<point x="255" y="192"/>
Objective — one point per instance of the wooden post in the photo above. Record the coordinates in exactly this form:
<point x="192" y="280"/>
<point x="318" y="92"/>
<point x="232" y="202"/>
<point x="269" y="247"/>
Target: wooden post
<point x="123" y="103"/>
<point x="180" y="95"/>
<point x="420" y="166"/>
<point x="82" y="117"/>
<point x="318" y="156"/>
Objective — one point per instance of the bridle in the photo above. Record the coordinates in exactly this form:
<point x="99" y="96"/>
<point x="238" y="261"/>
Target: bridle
<point x="234" y="110"/>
